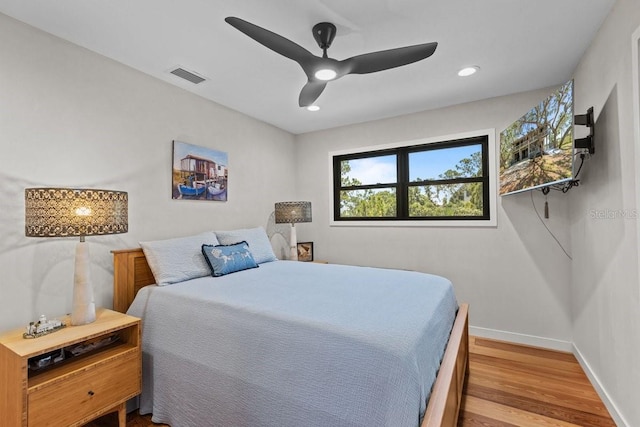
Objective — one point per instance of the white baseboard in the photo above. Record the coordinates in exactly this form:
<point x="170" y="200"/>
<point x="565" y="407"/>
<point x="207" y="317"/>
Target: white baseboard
<point x="560" y="345"/>
<point x="532" y="340"/>
<point x="611" y="407"/>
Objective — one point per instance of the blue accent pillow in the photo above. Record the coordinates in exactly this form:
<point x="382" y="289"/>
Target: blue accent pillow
<point x="225" y="259"/>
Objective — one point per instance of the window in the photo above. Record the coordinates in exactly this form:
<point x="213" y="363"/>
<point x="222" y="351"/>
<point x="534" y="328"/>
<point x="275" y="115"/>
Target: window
<point x="440" y="181"/>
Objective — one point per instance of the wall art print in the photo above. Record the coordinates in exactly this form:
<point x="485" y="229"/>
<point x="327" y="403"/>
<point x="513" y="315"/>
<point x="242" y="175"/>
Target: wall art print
<point x="305" y="251"/>
<point x="199" y="173"/>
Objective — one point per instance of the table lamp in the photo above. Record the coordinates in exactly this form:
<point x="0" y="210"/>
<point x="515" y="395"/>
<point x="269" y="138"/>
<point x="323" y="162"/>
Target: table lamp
<point x="66" y="212"/>
<point x="292" y="212"/>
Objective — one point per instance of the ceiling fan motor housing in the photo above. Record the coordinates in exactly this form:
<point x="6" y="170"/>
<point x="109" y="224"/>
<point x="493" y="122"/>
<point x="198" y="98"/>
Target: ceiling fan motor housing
<point x="324" y="33"/>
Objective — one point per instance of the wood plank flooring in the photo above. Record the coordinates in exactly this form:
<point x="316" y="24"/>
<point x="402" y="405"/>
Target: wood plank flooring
<point x="508" y="385"/>
<point x="515" y="385"/>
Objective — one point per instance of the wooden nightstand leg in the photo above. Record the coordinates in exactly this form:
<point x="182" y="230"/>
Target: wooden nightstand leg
<point x="122" y="415"/>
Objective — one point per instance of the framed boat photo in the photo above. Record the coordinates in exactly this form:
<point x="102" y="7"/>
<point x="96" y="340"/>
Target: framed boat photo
<point x="199" y="173"/>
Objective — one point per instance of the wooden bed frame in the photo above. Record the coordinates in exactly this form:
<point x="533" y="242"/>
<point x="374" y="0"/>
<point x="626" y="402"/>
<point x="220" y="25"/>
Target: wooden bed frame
<point x="131" y="273"/>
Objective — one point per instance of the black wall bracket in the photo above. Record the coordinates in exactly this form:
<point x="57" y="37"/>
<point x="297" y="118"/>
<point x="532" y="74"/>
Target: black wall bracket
<point x="586" y="120"/>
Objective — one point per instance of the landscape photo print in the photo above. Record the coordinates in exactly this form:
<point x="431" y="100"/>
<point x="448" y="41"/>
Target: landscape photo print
<point x="537" y="149"/>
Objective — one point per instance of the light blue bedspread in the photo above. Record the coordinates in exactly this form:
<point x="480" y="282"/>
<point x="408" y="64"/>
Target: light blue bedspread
<point x="294" y="344"/>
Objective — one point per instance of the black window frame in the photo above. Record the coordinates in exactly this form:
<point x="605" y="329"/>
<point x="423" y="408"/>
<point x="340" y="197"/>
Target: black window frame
<point x="402" y="183"/>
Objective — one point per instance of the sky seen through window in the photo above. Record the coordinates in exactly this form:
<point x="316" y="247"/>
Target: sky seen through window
<point x="423" y="165"/>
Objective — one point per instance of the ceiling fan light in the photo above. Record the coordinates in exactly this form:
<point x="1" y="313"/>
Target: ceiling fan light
<point x="468" y="71"/>
<point x="313" y="108"/>
<point x="325" y="74"/>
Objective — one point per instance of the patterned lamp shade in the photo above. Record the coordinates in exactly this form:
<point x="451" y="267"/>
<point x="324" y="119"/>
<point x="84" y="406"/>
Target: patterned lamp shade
<point x="64" y="212"/>
<point x="291" y="212"/>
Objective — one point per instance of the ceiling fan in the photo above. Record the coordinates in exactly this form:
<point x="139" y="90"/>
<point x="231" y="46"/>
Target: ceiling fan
<point x="320" y="70"/>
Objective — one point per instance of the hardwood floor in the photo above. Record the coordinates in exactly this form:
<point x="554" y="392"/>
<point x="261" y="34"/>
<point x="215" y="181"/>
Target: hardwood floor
<point x="514" y="385"/>
<point x="133" y="420"/>
<point x="508" y="385"/>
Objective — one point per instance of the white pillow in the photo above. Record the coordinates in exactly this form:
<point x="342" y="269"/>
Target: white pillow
<point x="259" y="244"/>
<point x="176" y="260"/>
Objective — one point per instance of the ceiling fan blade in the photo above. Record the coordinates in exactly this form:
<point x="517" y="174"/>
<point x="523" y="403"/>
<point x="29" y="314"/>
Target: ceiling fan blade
<point x="273" y="41"/>
<point x="310" y="92"/>
<point x="386" y="59"/>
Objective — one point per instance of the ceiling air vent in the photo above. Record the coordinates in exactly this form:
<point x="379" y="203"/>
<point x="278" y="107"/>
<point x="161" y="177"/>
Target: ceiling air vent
<point x="187" y="75"/>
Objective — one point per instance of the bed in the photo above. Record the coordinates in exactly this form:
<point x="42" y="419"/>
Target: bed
<point x="260" y="360"/>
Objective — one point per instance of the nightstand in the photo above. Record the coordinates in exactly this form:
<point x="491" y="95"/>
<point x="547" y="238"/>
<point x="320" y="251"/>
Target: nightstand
<point x="80" y="387"/>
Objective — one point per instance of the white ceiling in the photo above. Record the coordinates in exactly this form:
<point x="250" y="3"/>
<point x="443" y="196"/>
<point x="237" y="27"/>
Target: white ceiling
<point x="519" y="45"/>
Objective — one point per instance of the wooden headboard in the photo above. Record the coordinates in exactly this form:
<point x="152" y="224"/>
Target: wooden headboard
<point x="130" y="273"/>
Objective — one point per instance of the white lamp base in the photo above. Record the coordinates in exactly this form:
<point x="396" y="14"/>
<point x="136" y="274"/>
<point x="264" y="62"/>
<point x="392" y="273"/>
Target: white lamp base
<point x="84" y="308"/>
<point x="293" y="244"/>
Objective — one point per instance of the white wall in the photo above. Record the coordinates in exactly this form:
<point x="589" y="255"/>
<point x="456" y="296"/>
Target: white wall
<point x="70" y="117"/>
<point x="515" y="276"/>
<point x="605" y="286"/>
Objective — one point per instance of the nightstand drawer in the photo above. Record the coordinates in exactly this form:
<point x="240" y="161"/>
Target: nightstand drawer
<point x="92" y="390"/>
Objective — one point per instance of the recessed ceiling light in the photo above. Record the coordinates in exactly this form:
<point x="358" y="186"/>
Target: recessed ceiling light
<point x="313" y="108"/>
<point x="468" y="71"/>
<point x="325" y="74"/>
